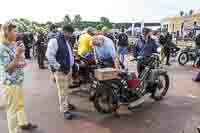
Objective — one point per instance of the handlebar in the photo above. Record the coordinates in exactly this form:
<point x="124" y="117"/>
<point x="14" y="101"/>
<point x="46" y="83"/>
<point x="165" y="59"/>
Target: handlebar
<point x="154" y="56"/>
<point x="151" y="61"/>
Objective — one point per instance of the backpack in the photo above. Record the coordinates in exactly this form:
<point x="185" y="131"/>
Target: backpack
<point x="123" y="40"/>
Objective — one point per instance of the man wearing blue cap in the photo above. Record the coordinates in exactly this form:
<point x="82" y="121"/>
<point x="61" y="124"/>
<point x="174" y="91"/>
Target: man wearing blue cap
<point x="145" y="47"/>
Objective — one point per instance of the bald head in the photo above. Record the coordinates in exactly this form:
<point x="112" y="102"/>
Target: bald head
<point x="98" y="40"/>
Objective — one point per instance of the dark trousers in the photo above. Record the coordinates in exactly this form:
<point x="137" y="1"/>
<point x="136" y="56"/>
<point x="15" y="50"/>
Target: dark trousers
<point x="140" y="68"/>
<point x="41" y="58"/>
<point x="27" y="53"/>
<point x="167" y="54"/>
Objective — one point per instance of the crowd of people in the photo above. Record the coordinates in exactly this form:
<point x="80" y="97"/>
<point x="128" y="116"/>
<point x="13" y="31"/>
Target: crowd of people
<point x="92" y="46"/>
<point x="60" y="57"/>
<point x="58" y="49"/>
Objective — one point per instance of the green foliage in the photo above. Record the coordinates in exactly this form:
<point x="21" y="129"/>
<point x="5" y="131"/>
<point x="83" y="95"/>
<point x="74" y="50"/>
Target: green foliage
<point x="181" y="13"/>
<point x="67" y="19"/>
<point x="99" y="27"/>
<point x="25" y="25"/>
<point x="104" y="20"/>
<point x="76" y="21"/>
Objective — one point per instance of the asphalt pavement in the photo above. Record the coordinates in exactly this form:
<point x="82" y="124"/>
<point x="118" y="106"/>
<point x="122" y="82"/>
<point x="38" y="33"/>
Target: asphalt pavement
<point x="179" y="112"/>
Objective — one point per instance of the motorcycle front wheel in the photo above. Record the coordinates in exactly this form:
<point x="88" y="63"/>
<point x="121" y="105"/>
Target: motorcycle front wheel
<point x="162" y="87"/>
<point x="183" y="58"/>
<point x="105" y="101"/>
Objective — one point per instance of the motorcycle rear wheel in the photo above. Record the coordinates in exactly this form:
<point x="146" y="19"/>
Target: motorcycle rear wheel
<point x="163" y="89"/>
<point x="105" y="102"/>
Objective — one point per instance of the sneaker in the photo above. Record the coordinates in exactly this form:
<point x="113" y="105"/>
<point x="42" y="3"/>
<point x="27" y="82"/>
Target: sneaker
<point x="28" y="127"/>
<point x="68" y="115"/>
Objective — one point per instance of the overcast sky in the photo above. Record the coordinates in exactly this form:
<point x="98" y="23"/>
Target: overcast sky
<point x="115" y="10"/>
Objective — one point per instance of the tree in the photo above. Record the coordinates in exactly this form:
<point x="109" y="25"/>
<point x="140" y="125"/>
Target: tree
<point x="49" y="23"/>
<point x="77" y="19"/>
<point x="191" y="12"/>
<point x="186" y="14"/>
<point x="67" y="19"/>
<point x="181" y="13"/>
<point x="99" y="27"/>
<point x="25" y="21"/>
<point x="104" y="20"/>
<point x="21" y="25"/>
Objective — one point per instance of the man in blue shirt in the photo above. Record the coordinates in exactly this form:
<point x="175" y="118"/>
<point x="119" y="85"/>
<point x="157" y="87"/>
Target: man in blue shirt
<point x="145" y="47"/>
<point x="61" y="61"/>
<point x="105" y="51"/>
<point x="52" y="33"/>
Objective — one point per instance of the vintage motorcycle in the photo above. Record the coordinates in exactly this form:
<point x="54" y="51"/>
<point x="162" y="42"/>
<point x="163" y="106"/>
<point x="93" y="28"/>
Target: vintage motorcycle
<point x="107" y="96"/>
<point x="85" y="73"/>
<point x="188" y="54"/>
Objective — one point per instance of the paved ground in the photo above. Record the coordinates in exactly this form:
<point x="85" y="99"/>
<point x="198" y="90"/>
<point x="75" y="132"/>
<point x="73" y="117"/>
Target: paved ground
<point x="178" y="112"/>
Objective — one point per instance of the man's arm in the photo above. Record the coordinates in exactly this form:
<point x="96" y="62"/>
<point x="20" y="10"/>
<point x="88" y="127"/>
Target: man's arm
<point x="51" y="54"/>
<point x="114" y="56"/>
<point x="13" y="65"/>
<point x="95" y="55"/>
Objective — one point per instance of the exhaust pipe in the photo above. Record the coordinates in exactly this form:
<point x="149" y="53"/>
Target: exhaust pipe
<point x="139" y="101"/>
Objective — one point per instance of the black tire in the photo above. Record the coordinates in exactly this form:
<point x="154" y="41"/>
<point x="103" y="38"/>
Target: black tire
<point x="165" y="88"/>
<point x="181" y="56"/>
<point x="110" y="101"/>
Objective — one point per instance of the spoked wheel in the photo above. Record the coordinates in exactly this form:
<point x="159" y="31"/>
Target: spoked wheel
<point x="105" y="101"/>
<point x="183" y="58"/>
<point x="162" y="87"/>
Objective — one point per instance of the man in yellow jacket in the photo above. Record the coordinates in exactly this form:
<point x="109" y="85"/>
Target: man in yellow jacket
<point x="85" y="42"/>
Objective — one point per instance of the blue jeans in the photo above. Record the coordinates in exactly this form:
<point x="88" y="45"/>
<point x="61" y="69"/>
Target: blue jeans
<point x="122" y="51"/>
